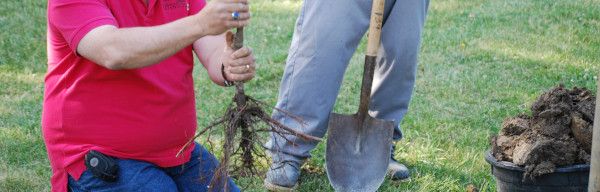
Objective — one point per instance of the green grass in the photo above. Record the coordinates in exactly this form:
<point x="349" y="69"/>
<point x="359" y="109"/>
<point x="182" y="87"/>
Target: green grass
<point x="480" y="61"/>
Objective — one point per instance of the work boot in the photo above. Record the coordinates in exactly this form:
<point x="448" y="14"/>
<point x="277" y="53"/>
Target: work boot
<point x="283" y="176"/>
<point x="396" y="170"/>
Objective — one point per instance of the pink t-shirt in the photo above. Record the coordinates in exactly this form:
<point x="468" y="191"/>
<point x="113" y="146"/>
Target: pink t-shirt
<point x="145" y="114"/>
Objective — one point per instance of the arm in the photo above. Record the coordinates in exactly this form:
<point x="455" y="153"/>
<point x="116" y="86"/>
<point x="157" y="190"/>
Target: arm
<point x="129" y="48"/>
<point x="215" y="54"/>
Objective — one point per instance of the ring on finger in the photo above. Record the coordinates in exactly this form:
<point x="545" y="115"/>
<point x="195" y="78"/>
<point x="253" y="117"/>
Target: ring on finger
<point x="247" y="66"/>
<point x="235" y="15"/>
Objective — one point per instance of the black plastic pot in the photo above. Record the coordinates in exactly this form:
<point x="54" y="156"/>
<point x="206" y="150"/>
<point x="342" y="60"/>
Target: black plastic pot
<point x="509" y="177"/>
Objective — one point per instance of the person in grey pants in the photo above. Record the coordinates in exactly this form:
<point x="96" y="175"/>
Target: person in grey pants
<point x="326" y="35"/>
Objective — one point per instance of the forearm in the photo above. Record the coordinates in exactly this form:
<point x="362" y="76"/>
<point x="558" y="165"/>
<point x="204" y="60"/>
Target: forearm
<point x="214" y="67"/>
<point x="222" y="62"/>
<point x="129" y="48"/>
<point x="210" y="57"/>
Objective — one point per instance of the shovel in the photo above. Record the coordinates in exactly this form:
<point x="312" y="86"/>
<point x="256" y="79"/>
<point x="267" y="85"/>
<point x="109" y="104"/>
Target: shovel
<point x="358" y="145"/>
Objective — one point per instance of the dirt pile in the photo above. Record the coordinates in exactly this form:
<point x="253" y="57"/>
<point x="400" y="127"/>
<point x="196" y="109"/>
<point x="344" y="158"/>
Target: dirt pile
<point x="558" y="133"/>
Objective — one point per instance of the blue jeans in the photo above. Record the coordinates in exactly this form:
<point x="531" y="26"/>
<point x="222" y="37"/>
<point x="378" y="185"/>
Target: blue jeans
<point x="134" y="175"/>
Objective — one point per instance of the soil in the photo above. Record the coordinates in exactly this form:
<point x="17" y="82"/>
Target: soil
<point x="557" y="133"/>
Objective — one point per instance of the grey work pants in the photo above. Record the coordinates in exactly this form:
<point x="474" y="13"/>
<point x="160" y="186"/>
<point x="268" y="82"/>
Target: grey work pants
<point x="326" y="35"/>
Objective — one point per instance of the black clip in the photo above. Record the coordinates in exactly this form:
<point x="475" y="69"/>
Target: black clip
<point x="102" y="166"/>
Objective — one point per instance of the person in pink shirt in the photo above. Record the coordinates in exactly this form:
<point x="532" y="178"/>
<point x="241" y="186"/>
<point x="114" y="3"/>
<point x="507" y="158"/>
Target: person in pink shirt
<point x="119" y="97"/>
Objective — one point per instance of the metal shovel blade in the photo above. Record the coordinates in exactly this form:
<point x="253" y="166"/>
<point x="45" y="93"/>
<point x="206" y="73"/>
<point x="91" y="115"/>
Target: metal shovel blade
<point x="359" y="146"/>
<point x="358" y="154"/>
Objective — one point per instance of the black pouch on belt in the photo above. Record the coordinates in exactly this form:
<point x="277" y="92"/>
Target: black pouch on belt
<point x="102" y="166"/>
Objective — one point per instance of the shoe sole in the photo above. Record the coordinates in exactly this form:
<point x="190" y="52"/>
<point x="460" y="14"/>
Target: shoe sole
<point x="401" y="180"/>
<point x="389" y="175"/>
<point x="277" y="188"/>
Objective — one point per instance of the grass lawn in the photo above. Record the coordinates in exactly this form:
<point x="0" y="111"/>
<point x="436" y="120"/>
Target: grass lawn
<point x="481" y="61"/>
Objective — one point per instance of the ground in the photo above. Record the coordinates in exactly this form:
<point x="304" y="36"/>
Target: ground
<point x="481" y="61"/>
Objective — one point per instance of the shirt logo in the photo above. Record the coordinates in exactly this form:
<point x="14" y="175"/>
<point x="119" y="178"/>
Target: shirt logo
<point x="170" y="5"/>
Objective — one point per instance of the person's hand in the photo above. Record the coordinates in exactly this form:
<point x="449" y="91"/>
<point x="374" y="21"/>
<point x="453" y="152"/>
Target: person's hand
<point x="238" y="65"/>
<point x="218" y="16"/>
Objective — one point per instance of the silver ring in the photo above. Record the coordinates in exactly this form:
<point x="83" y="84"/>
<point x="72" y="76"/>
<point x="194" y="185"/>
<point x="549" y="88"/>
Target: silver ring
<point x="235" y="15"/>
<point x="247" y="66"/>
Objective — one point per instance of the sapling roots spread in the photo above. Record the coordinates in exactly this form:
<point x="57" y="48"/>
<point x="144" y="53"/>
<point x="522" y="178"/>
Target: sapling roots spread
<point x="242" y="124"/>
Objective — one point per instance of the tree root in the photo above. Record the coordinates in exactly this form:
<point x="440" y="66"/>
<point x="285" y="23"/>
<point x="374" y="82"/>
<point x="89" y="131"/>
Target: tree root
<point x="242" y="146"/>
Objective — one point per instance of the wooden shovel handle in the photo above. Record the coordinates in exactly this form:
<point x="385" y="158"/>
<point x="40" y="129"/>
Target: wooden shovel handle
<point x="594" y="181"/>
<point x="371" y="57"/>
<point x="375" y="27"/>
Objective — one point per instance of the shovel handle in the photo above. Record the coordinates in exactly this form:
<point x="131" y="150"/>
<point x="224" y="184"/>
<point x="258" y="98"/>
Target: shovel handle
<point x="375" y="26"/>
<point x="594" y="180"/>
<point x="373" y="41"/>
